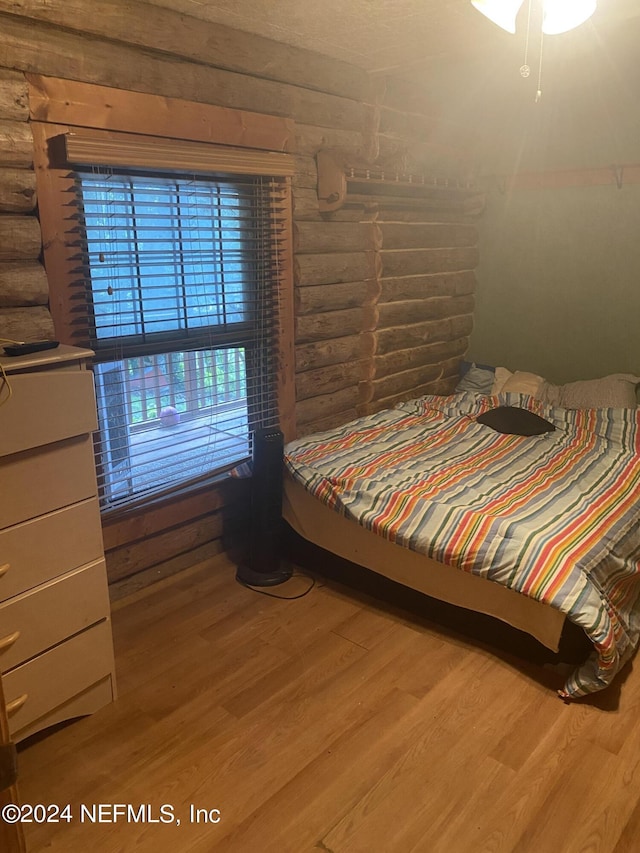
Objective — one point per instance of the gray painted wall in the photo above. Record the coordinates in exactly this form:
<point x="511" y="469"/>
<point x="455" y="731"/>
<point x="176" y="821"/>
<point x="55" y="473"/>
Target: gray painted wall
<point x="559" y="276"/>
<point x="559" y="282"/>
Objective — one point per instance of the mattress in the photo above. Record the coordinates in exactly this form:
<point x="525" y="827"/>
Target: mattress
<point x="552" y="517"/>
<point x="316" y="523"/>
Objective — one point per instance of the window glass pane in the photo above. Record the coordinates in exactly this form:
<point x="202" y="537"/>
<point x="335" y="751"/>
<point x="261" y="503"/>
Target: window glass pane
<point x="174" y="415"/>
<point x="183" y="303"/>
<point x="165" y="254"/>
<point x="111" y="250"/>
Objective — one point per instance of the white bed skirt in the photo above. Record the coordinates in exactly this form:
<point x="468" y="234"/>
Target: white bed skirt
<point x="318" y="524"/>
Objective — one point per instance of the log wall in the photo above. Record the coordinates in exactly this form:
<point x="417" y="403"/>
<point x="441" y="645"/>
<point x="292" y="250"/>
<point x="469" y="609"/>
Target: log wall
<point x="424" y="306"/>
<point x="381" y="326"/>
<point x="23" y="281"/>
<point x="384" y="298"/>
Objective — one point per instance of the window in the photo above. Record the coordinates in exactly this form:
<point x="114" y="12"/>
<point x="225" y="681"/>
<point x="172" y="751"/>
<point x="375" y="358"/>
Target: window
<point x="172" y="259"/>
<point x="180" y="283"/>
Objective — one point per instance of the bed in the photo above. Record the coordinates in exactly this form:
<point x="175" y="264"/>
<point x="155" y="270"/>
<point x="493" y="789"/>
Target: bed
<point x="530" y="528"/>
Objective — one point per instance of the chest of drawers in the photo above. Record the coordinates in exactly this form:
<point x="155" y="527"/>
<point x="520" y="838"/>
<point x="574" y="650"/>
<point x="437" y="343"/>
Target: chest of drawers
<point x="56" y="651"/>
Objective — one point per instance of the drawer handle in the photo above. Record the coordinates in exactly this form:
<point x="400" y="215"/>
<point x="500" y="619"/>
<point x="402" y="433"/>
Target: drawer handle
<point x="8" y="641"/>
<point x="4" y="568"/>
<point x="16" y="704"/>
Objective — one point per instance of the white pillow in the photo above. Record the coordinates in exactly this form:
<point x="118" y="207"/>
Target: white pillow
<point x="502" y="375"/>
<point x="522" y="382"/>
<point x="617" y="391"/>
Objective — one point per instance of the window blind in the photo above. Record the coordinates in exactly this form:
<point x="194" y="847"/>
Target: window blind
<point x="177" y="289"/>
<point x="176" y="156"/>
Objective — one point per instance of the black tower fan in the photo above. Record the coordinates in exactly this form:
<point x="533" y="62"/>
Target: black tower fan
<point x="263" y="567"/>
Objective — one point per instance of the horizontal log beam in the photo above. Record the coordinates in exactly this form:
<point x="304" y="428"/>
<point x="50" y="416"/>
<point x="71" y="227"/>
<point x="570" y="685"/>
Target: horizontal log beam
<point x="325" y="380"/>
<point x="445" y="386"/>
<point x="461" y="325"/>
<point x="42" y="49"/>
<point x="123" y="590"/>
<point x="436" y="386"/>
<point x="402" y="93"/>
<point x="329" y="237"/>
<point x="27" y="324"/>
<point x="407" y="359"/>
<point x="406" y="124"/>
<point x="428" y="216"/>
<point x="414" y="262"/>
<point x="23" y="283"/>
<point x="311" y="138"/>
<point x="451" y="368"/>
<point x="138" y="525"/>
<point x="133" y="558"/>
<point x="397" y="383"/>
<point x="425" y="286"/>
<point x="456" y="138"/>
<point x="399" y="235"/>
<point x="415" y="310"/>
<point x="315" y="408"/>
<point x="332" y="324"/>
<point x="14" y="96"/>
<point x="17" y="190"/>
<point x="356" y="213"/>
<point x="420" y="157"/>
<point x="306" y="172"/>
<point x="174" y="33"/>
<point x="20" y="238"/>
<point x="16" y="144"/>
<point x="417" y="334"/>
<point x="432" y="207"/>
<point x="333" y="297"/>
<point x="330" y="422"/>
<point x="337" y="351"/>
<point x="334" y="268"/>
<point x="305" y="203"/>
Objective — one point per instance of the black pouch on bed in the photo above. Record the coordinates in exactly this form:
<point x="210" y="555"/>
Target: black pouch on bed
<point x="514" y="421"/>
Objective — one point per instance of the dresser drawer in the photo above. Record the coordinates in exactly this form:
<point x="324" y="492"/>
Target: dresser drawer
<point x="45" y="616"/>
<point x="55" y="677"/>
<point x="41" y="549"/>
<point x="88" y="702"/>
<point x="45" y="407"/>
<point x="38" y="481"/>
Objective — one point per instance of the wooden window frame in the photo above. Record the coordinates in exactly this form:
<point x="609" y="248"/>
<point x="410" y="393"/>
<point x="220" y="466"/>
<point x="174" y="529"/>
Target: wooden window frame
<point x="61" y="108"/>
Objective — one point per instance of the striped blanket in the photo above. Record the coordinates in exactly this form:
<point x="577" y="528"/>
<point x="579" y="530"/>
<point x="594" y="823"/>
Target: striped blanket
<point x="555" y="516"/>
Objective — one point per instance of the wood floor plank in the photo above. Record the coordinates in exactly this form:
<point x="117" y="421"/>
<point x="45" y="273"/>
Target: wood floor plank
<point x="628" y="839"/>
<point x="505" y="821"/>
<point x="599" y="821"/>
<point x="424" y="785"/>
<point x="178" y="610"/>
<point x="341" y="770"/>
<point x="579" y="793"/>
<point x="334" y="723"/>
<point x="523" y="732"/>
<point x="259" y="754"/>
<point x="368" y="627"/>
<point x="482" y="783"/>
<point x="292" y="624"/>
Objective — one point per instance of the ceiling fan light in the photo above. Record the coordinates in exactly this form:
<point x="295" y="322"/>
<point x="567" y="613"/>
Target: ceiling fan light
<point x="501" y="12"/>
<point x="562" y="15"/>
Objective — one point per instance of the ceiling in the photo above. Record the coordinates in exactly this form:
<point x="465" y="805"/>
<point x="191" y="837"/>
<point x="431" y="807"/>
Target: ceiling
<point x="382" y="35"/>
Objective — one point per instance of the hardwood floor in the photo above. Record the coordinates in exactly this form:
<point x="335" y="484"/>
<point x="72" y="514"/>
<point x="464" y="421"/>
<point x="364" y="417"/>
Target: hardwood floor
<point x="332" y="723"/>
